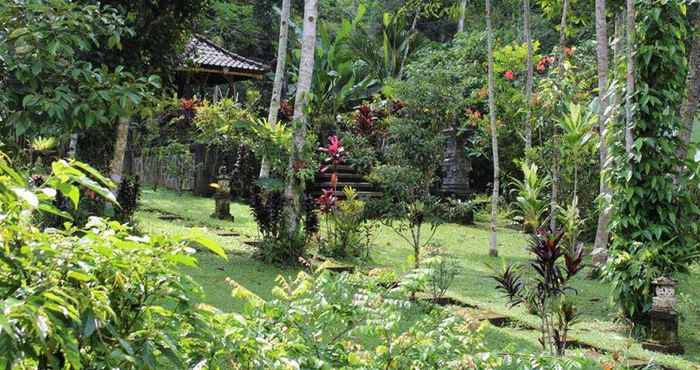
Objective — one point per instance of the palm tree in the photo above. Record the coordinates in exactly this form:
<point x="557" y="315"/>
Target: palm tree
<point x="279" y="76"/>
<point x="294" y="187"/>
<point x="493" y="250"/>
<point x="601" y="237"/>
<point x="528" y="84"/>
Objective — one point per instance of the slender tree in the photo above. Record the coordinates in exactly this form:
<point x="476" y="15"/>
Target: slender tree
<point x="462" y="15"/>
<point x="73" y="145"/>
<point x="601" y="237"/>
<point x="629" y="88"/>
<point x="116" y="166"/>
<point x="689" y="108"/>
<point x="528" y="84"/>
<point x="295" y="187"/>
<point x="493" y="249"/>
<point x="554" y="198"/>
<point x="279" y="77"/>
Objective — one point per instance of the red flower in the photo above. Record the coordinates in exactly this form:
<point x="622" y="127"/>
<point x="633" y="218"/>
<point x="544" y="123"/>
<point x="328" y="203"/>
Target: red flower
<point x="509" y="75"/>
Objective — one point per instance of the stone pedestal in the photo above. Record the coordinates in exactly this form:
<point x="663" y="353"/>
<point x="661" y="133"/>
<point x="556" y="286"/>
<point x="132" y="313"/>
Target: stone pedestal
<point x="456" y="167"/>
<point x="663" y="319"/>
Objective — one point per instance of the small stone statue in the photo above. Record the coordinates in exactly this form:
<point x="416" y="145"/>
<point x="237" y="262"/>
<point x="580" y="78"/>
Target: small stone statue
<point x="663" y="318"/>
<point x="222" y="195"/>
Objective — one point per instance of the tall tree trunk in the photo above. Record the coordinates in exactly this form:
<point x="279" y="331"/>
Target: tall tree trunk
<point x="629" y="89"/>
<point x="116" y="166"/>
<point x="73" y="145"/>
<point x="601" y="237"/>
<point x="554" y="198"/>
<point x="689" y="108"/>
<point x="295" y="188"/>
<point x="462" y="15"/>
<point x="528" y="84"/>
<point x="279" y="77"/>
<point x="493" y="249"/>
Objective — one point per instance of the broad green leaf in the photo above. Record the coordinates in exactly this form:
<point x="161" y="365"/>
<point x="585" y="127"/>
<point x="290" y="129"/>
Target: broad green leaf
<point x="27" y="196"/>
<point x="197" y="237"/>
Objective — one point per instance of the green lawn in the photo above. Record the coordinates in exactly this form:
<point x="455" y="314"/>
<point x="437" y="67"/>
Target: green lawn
<point x="468" y="244"/>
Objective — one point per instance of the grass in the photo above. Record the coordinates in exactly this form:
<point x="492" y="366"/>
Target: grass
<point x="468" y="244"/>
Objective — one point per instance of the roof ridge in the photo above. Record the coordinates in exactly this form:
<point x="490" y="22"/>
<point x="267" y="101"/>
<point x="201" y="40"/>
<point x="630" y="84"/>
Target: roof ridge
<point x="228" y="52"/>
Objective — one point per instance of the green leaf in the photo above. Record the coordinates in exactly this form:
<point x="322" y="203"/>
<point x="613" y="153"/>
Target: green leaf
<point x="183" y="260"/>
<point x="27" y="196"/>
<point x="214" y="247"/>
<point x="77" y="275"/>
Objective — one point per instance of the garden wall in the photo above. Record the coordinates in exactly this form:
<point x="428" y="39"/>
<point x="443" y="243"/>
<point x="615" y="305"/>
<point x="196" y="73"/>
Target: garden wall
<point x="159" y="171"/>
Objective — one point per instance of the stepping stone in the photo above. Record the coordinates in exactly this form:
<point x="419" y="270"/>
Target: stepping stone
<point x="170" y="217"/>
<point x="228" y="234"/>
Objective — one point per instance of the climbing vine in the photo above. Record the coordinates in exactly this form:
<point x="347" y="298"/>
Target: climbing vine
<point x="652" y="229"/>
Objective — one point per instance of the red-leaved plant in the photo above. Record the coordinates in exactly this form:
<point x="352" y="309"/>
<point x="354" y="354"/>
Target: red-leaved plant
<point x="365" y="119"/>
<point x="545" y="294"/>
<point x="335" y="153"/>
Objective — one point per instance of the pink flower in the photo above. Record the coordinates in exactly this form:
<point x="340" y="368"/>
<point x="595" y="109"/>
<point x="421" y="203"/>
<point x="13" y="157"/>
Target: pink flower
<point x="509" y="75"/>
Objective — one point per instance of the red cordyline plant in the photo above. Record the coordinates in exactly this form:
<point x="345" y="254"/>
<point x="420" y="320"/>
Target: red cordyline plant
<point x="365" y="119"/>
<point x="189" y="107"/>
<point x="545" y="294"/>
<point x="327" y="201"/>
<point x="335" y="153"/>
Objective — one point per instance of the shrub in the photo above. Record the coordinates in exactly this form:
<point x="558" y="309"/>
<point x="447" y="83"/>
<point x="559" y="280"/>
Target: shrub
<point x="546" y="291"/>
<point x="348" y="232"/>
<point x="441" y="269"/>
<point x="457" y="211"/>
<point x="97" y="296"/>
<point x="530" y="203"/>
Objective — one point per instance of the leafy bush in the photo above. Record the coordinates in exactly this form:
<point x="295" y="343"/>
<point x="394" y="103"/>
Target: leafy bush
<point x="362" y="154"/>
<point x="530" y="203"/>
<point x="457" y="211"/>
<point x="442" y="269"/>
<point x="348" y="232"/>
<point x="355" y="326"/>
<point x="97" y="296"/>
<point x="546" y="291"/>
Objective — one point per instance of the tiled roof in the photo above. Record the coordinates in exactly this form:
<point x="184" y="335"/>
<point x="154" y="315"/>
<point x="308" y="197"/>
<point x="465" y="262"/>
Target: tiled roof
<point x="206" y="54"/>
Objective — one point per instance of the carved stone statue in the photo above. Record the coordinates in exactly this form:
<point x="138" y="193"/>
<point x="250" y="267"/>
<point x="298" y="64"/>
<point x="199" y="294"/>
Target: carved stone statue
<point x="222" y="195"/>
<point x="456" y="167"/>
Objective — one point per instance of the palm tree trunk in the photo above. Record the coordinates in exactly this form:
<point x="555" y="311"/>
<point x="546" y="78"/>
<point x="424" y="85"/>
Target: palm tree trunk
<point x="690" y="105"/>
<point x="528" y="84"/>
<point x="601" y="237"/>
<point x="629" y="90"/>
<point x="493" y="249"/>
<point x="554" y="198"/>
<point x="279" y="77"/>
<point x="295" y="187"/>
<point x="462" y="15"/>
<point x="116" y="166"/>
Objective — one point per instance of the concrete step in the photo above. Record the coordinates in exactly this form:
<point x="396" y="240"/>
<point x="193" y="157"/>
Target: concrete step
<point x="348" y="177"/>
<point x="360" y="194"/>
<point x="341" y="168"/>
<point x="342" y="184"/>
